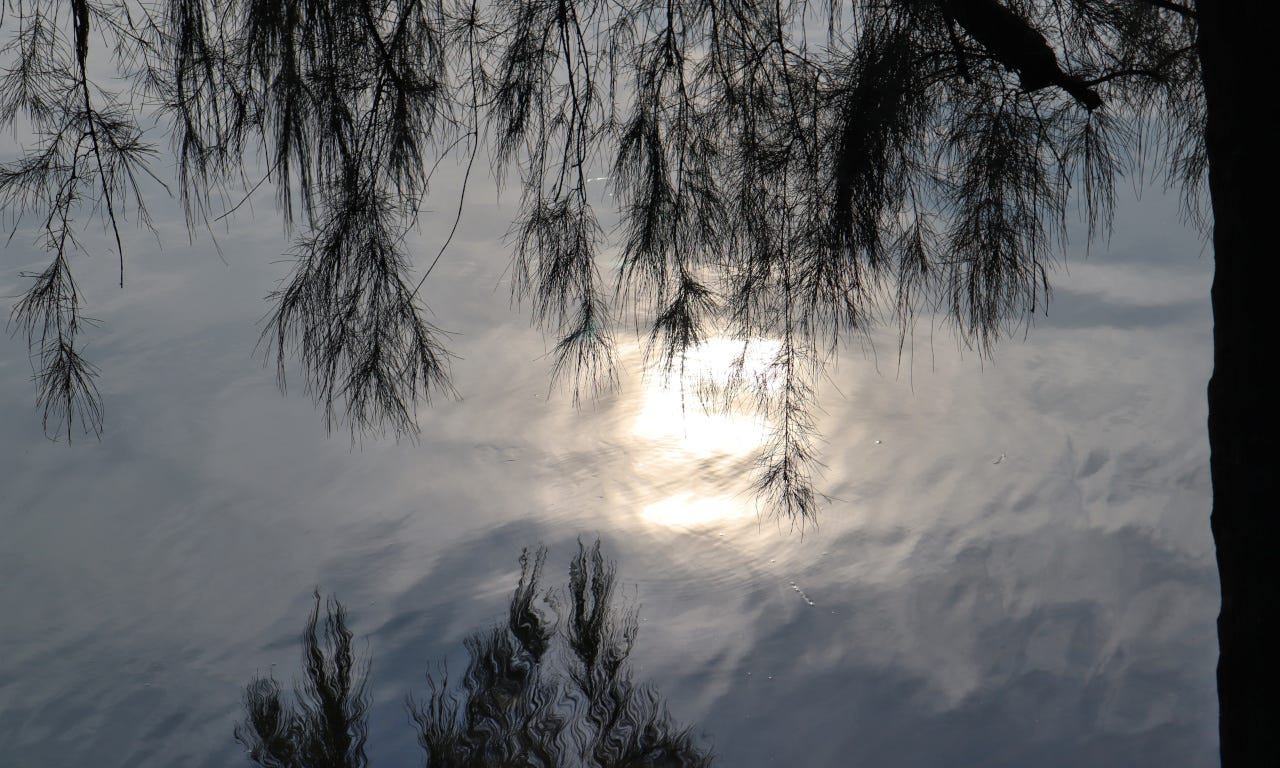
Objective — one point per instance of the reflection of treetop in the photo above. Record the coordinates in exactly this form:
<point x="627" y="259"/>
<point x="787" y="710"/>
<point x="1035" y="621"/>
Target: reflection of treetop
<point x="782" y="170"/>
<point x="536" y="692"/>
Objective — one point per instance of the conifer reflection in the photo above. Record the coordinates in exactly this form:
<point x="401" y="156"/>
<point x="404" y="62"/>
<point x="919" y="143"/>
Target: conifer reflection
<point x="326" y="726"/>
<point x="541" y="690"/>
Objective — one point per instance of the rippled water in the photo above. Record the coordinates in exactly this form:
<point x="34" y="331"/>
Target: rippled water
<point x="1014" y="568"/>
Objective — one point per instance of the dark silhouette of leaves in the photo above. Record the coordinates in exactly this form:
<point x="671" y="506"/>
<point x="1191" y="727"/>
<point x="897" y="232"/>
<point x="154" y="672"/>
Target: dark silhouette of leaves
<point x="793" y="171"/>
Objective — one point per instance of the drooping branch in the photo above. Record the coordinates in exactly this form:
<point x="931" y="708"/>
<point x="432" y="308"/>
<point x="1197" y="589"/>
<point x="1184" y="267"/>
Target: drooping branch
<point x="1181" y="10"/>
<point x="766" y="186"/>
<point x="1018" y="46"/>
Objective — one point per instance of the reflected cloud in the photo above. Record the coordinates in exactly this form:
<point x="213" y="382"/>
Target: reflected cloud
<point x="541" y="689"/>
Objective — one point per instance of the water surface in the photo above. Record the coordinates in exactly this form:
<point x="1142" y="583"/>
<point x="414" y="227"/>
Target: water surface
<point x="1014" y="568"/>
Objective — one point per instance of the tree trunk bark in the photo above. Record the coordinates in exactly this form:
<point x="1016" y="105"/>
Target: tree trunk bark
<point x="1238" y="54"/>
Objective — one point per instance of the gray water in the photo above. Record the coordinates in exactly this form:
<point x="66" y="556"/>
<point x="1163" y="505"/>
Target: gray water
<point x="1014" y="568"/>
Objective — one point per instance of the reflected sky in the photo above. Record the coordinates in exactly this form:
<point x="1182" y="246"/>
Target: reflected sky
<point x="1051" y="607"/>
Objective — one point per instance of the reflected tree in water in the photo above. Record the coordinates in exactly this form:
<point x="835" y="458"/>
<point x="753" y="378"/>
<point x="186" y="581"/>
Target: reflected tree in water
<point x="539" y="690"/>
<point x="325" y="727"/>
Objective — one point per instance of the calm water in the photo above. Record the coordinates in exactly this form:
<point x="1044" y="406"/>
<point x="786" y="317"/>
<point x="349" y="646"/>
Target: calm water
<point x="1015" y="567"/>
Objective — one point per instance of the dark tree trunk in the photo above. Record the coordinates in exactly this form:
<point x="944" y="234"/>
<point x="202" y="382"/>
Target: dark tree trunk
<point x="1238" y="44"/>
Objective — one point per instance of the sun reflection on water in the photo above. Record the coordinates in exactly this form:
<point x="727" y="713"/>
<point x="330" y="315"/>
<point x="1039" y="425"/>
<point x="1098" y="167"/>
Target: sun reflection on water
<point x="688" y="510"/>
<point x="699" y="444"/>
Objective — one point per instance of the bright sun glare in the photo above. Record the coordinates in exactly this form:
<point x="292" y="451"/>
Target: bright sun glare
<point x="684" y="429"/>
<point x="688" y="510"/>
